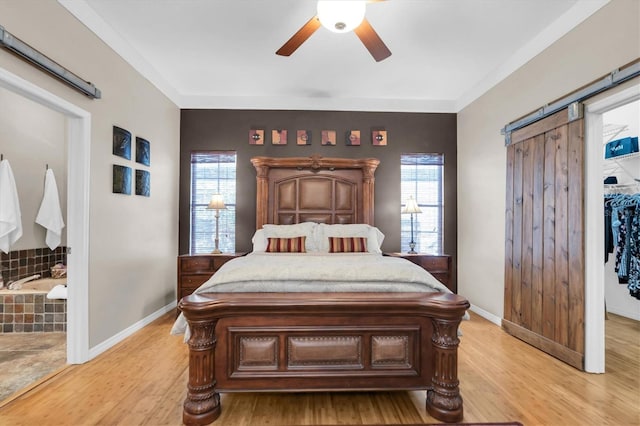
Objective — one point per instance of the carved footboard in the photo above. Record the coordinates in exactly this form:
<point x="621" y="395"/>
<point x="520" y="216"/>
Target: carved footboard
<point x="322" y="342"/>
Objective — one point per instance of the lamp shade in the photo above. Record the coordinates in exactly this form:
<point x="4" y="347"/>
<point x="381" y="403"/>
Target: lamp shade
<point x="411" y="206"/>
<point x="341" y="16"/>
<point x="217" y="202"/>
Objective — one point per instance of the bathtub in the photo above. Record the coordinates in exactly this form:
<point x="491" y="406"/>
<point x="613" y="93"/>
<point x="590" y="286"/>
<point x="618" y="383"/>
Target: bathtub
<point x="28" y="310"/>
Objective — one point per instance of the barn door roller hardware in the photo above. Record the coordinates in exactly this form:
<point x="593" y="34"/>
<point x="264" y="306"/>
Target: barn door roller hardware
<point x="572" y="101"/>
<point x="28" y="53"/>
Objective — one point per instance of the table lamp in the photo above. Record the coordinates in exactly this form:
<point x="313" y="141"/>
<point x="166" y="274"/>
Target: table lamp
<point x="217" y="204"/>
<point x="411" y="207"/>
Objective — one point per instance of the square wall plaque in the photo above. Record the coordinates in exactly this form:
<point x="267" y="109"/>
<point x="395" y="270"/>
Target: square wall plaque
<point x="278" y="137"/>
<point x="328" y="137"/>
<point x="121" y="179"/>
<point x="256" y="137"/>
<point x="353" y="138"/>
<point x="303" y="137"/>
<point x="379" y="137"/>
<point x="121" y="142"/>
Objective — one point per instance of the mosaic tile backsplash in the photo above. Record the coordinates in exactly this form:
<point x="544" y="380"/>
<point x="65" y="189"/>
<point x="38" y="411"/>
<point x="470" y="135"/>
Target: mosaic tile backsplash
<point x="19" y="264"/>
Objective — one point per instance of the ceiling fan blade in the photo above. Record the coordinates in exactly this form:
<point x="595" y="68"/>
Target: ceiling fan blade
<point x="300" y="37"/>
<point x="372" y="41"/>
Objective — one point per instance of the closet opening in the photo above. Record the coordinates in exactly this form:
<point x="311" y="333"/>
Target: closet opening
<point x="612" y="181"/>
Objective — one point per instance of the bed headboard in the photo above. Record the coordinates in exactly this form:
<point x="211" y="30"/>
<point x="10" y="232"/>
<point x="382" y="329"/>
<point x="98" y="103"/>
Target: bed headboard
<point x="314" y="189"/>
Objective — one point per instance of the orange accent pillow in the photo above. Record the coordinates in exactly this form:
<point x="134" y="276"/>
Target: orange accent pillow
<point x="347" y="245"/>
<point x="286" y="245"/>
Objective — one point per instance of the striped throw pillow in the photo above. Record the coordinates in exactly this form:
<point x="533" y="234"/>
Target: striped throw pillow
<point x="286" y="245"/>
<point x="347" y="245"/>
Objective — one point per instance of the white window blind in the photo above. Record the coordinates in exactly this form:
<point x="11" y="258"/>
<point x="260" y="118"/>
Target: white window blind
<point x="213" y="172"/>
<point x="421" y="176"/>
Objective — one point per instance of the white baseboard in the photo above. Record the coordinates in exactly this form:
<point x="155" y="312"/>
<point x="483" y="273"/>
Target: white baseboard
<point x="487" y="315"/>
<point x="635" y="315"/>
<point x="112" y="341"/>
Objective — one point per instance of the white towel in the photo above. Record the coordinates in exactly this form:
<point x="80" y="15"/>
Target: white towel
<point x="50" y="215"/>
<point x="58" y="292"/>
<point x="10" y="216"/>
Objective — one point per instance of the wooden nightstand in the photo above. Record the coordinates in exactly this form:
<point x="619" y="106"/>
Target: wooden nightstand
<point x="194" y="270"/>
<point x="438" y="265"/>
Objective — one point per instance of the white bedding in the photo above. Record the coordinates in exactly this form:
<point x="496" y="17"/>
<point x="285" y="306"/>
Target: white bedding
<point x="317" y="272"/>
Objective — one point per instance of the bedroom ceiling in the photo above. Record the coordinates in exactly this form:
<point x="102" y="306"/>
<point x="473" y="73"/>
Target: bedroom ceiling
<point x="221" y="53"/>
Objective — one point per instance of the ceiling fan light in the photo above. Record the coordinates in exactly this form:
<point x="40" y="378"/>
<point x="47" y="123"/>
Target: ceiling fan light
<point x="341" y="16"/>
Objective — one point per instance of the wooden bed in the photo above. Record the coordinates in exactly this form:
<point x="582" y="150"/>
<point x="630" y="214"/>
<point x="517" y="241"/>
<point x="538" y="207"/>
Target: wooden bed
<point x="297" y="342"/>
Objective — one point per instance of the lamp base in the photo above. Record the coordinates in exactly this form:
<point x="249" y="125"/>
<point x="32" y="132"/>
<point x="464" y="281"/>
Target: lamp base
<point x="412" y="246"/>
<point x="216" y="251"/>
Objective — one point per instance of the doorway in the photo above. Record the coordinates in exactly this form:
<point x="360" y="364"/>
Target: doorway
<point x="594" y="225"/>
<point x="78" y="123"/>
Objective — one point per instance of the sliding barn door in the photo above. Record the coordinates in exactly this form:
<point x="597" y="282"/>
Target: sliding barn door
<point x="544" y="250"/>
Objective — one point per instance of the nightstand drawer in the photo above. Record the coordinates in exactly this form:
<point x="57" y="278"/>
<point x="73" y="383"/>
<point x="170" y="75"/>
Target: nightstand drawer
<point x="435" y="263"/>
<point x="193" y="281"/>
<point x="198" y="264"/>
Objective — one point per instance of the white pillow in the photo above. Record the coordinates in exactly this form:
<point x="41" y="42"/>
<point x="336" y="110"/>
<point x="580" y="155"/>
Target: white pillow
<point x="373" y="235"/>
<point x="307" y="229"/>
<point x="259" y="241"/>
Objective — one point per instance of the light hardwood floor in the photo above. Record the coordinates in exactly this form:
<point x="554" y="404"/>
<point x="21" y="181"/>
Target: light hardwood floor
<point x="142" y="381"/>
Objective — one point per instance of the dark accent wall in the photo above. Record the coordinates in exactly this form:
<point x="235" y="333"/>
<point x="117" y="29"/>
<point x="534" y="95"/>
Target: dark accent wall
<point x="407" y="133"/>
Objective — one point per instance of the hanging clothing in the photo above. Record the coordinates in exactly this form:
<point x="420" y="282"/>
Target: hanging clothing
<point x="10" y="215"/>
<point x="609" y="243"/>
<point x="634" y="254"/>
<point x="625" y="231"/>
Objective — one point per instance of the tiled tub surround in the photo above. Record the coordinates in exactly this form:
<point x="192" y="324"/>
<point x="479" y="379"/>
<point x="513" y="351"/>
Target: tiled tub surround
<point x="28" y="311"/>
<point x="19" y="264"/>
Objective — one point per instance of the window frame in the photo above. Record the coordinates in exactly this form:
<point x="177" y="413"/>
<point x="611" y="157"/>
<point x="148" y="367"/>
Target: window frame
<point x="199" y="200"/>
<point x="426" y="200"/>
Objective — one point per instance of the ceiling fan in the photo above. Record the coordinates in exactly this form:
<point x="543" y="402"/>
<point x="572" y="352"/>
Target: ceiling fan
<point x="341" y="17"/>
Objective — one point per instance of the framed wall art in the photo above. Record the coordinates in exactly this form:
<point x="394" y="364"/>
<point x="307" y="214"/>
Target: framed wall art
<point x="121" y="142"/>
<point x="353" y="138"/>
<point x="278" y="137"/>
<point x="256" y="137"/>
<point x="121" y="179"/>
<point x="303" y="137"/>
<point x="328" y="137"/>
<point x="143" y="183"/>
<point x="143" y="151"/>
<point x="379" y="137"/>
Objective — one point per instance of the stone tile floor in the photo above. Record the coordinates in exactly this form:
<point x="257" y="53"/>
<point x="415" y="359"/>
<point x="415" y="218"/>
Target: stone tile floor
<point x="27" y="357"/>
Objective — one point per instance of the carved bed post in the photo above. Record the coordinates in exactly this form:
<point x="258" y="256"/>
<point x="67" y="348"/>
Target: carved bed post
<point x="262" y="182"/>
<point x="368" y="181"/>
<point x="443" y="399"/>
<point x="202" y="405"/>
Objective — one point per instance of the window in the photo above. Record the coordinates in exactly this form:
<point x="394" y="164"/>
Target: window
<point x="213" y="172"/>
<point x="421" y="176"/>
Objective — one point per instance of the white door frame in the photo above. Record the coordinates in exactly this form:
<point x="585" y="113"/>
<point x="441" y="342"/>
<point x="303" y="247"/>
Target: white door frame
<point x="78" y="165"/>
<point x="594" y="360"/>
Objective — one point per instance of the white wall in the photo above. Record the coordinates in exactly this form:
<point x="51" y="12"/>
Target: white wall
<point x="607" y="40"/>
<point x="32" y="137"/>
<point x="133" y="239"/>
